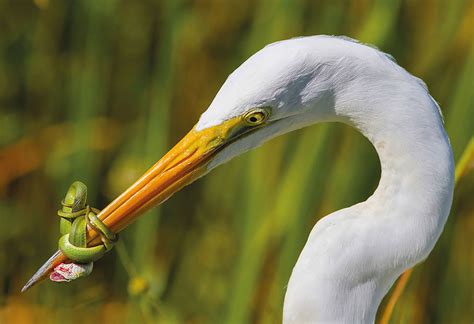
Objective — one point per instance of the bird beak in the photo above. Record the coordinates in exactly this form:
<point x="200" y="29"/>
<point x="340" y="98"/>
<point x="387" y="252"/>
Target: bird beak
<point x="183" y="164"/>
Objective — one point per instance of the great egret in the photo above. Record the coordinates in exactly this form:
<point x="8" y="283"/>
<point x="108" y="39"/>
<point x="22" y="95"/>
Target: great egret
<point x="354" y="255"/>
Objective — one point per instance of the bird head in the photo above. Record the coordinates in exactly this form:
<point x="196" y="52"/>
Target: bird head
<point x="284" y="86"/>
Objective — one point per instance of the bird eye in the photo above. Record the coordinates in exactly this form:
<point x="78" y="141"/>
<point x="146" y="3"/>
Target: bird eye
<point x="256" y="117"/>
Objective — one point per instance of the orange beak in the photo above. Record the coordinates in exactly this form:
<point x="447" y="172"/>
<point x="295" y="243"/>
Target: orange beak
<point x="183" y="164"/>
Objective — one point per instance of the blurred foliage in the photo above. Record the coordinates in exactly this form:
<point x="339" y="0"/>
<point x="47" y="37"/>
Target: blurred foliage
<point x="98" y="90"/>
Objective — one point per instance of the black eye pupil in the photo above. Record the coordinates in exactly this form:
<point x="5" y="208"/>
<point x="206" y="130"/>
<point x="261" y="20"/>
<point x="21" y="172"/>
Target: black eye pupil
<point x="255" y="117"/>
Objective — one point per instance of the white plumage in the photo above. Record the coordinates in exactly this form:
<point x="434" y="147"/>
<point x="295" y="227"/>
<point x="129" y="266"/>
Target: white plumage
<point x="354" y="255"/>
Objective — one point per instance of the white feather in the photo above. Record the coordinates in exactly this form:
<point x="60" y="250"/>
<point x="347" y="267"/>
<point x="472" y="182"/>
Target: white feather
<point x="354" y="255"/>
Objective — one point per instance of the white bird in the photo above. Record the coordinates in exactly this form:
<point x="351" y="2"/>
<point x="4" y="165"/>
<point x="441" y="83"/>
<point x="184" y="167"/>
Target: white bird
<point x="354" y="255"/>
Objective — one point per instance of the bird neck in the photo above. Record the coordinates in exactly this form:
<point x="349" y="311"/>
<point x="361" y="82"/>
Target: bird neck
<point x="406" y="214"/>
<point x="417" y="169"/>
<point x="353" y="256"/>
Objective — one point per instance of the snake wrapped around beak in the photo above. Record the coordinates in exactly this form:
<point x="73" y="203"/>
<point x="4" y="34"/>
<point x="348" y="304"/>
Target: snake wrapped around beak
<point x="76" y="216"/>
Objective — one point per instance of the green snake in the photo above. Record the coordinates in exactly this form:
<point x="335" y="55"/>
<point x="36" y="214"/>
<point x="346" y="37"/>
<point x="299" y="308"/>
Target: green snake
<point x="75" y="216"/>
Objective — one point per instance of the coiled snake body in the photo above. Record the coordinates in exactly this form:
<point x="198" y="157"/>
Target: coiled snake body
<point x="75" y="216"/>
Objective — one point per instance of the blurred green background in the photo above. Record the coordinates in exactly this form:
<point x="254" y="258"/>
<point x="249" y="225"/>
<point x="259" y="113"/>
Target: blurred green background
<point x="98" y="90"/>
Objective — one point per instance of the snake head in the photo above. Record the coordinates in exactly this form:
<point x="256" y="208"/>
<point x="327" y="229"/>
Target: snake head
<point x="66" y="272"/>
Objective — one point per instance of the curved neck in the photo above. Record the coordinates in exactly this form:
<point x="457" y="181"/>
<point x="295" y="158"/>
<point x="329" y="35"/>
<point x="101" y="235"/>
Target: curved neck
<point x="417" y="167"/>
<point x="354" y="255"/>
<point x="413" y="199"/>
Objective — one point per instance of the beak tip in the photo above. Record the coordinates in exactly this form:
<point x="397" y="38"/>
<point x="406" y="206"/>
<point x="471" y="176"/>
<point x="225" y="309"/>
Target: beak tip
<point x="45" y="269"/>
<point x="34" y="279"/>
<point x="27" y="285"/>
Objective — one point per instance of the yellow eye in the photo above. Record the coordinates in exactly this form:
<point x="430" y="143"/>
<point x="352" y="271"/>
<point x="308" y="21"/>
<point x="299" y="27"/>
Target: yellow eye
<point x="256" y="116"/>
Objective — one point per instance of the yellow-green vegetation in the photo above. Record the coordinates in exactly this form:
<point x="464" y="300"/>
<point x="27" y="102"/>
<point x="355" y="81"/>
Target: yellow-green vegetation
<point x="98" y="90"/>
